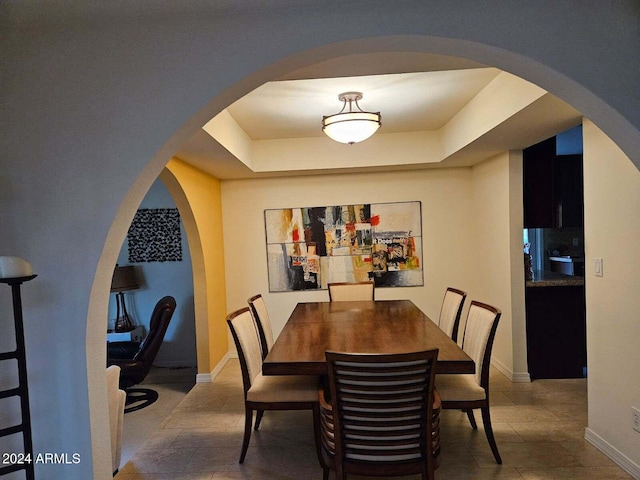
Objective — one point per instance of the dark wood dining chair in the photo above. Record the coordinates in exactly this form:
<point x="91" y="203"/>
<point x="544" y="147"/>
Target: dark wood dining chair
<point x="351" y="291"/>
<point x="471" y="391"/>
<point x="261" y="316"/>
<point x="379" y="416"/>
<point x="267" y="392"/>
<point x="450" y="312"/>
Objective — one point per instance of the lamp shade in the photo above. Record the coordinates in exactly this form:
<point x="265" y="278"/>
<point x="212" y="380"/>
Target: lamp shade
<point x="351" y="126"/>
<point x="124" y="278"/>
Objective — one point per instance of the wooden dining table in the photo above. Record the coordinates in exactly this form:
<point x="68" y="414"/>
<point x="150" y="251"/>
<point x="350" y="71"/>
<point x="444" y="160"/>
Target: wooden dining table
<point x="381" y="326"/>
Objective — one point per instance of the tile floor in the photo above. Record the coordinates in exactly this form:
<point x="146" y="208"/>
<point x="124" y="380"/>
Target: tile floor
<point x="172" y="384"/>
<point x="539" y="429"/>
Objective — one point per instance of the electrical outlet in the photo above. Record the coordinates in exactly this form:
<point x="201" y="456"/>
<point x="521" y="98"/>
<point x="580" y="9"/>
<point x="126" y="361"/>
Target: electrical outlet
<point x="636" y="418"/>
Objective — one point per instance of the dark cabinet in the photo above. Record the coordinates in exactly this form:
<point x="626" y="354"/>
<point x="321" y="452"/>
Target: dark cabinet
<point x="539" y="186"/>
<point x="553" y="187"/>
<point x="570" y="191"/>
<point x="556" y="332"/>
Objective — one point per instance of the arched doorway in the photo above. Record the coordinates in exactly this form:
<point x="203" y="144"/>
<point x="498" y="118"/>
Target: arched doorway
<point x="501" y="58"/>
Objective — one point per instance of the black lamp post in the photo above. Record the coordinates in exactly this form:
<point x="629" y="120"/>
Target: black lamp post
<point x="15" y="271"/>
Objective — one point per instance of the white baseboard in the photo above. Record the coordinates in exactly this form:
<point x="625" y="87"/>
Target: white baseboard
<point x="613" y="453"/>
<point x="522" y="377"/>
<point x="203" y="378"/>
<point x="515" y="377"/>
<point x="208" y="377"/>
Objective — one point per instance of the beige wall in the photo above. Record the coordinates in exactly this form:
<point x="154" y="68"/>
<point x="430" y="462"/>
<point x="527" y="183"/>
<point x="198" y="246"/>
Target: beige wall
<point x="612" y="230"/>
<point x="498" y="270"/>
<point x="519" y="368"/>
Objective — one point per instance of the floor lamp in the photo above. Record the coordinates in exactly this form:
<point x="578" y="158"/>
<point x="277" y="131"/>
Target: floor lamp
<point x="14" y="271"/>
<point x="124" y="279"/>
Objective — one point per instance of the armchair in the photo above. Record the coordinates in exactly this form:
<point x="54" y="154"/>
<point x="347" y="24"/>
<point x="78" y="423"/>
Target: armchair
<point x="135" y="359"/>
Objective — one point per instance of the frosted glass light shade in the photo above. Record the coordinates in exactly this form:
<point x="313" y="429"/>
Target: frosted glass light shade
<point x="351" y="127"/>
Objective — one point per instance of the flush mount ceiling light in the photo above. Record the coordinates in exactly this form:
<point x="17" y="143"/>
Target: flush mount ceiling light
<point x="351" y="126"/>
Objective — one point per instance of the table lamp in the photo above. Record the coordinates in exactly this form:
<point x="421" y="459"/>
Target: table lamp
<point x="124" y="279"/>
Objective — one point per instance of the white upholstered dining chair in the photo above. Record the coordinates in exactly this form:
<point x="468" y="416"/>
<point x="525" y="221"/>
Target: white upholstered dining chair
<point x="266" y="392"/>
<point x="470" y="391"/>
<point x="351" y="291"/>
<point x="450" y="311"/>
<point x="261" y="316"/>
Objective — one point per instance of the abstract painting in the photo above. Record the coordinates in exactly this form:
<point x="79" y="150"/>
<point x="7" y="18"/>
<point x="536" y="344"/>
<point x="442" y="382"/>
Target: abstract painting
<point x="310" y="247"/>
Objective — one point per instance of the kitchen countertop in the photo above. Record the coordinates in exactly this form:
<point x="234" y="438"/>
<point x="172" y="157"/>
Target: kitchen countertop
<point x="567" y="259"/>
<point x="552" y="279"/>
